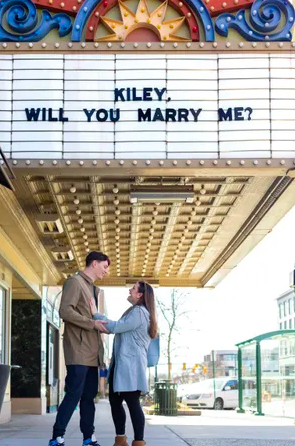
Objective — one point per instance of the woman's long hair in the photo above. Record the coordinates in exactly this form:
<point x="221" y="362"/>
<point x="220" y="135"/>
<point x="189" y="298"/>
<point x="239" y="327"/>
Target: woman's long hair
<point x="148" y="301"/>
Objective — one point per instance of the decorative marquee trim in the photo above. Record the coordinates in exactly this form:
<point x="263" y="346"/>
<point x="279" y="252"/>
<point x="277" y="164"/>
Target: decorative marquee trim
<point x="285" y="166"/>
<point x="269" y="20"/>
<point x="165" y="29"/>
<point x="179" y="6"/>
<point x="146" y="47"/>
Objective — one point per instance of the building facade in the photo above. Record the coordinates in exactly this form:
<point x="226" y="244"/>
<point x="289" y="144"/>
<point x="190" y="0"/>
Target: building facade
<point x="161" y="133"/>
<point x="221" y="363"/>
<point x="286" y="310"/>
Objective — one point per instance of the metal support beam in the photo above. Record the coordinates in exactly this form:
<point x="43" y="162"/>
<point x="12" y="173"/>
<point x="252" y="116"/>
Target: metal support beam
<point x="258" y="380"/>
<point x="240" y="382"/>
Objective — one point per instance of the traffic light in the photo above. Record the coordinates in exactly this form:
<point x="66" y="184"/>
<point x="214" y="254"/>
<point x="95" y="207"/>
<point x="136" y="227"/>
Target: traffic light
<point x="205" y="369"/>
<point x="184" y="366"/>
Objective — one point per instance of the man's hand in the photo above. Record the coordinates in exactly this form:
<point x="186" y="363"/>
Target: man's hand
<point x="100" y="326"/>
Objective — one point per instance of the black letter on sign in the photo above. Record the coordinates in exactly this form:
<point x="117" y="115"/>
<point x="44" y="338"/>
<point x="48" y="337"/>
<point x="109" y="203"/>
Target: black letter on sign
<point x="50" y="117"/>
<point x="33" y="114"/>
<point x="104" y="117"/>
<point x="113" y="116"/>
<point x="170" y="115"/>
<point x="224" y="116"/>
<point x="147" y="94"/>
<point x="61" y="117"/>
<point x="119" y="94"/>
<point x="182" y="114"/>
<point x="158" y="116"/>
<point x="160" y="93"/>
<point x="195" y="113"/>
<point x="238" y="114"/>
<point x="88" y="113"/>
<point x="144" y="115"/>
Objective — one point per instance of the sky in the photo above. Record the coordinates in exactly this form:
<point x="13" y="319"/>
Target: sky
<point x="243" y="305"/>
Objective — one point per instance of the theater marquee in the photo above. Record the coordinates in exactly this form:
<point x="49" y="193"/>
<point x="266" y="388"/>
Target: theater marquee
<point x="147" y="105"/>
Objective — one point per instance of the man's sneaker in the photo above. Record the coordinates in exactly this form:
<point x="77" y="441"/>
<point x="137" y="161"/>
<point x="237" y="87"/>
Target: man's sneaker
<point x="58" y="441"/>
<point x="90" y="441"/>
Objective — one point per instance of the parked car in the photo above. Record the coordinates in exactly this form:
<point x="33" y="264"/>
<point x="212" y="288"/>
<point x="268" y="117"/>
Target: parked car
<point x="222" y="395"/>
<point x="184" y="389"/>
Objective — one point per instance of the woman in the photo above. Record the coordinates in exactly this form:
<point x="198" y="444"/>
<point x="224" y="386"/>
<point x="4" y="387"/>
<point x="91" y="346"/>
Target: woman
<point x="127" y="372"/>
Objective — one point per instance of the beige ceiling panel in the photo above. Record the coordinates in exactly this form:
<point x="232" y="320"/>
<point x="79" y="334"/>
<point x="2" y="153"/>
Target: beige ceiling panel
<point x="168" y="241"/>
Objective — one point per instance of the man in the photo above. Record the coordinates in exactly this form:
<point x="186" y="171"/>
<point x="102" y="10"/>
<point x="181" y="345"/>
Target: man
<point x="83" y="349"/>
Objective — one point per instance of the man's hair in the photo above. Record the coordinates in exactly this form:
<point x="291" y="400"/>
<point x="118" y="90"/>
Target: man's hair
<point x="98" y="256"/>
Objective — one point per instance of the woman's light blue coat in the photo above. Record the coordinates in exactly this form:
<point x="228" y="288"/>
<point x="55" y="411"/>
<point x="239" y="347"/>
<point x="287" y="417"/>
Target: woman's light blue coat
<point x="130" y="349"/>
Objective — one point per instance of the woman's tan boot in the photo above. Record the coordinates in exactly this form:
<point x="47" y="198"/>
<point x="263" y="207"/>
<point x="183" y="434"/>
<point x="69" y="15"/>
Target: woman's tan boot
<point x="138" y="443"/>
<point x="121" y="441"/>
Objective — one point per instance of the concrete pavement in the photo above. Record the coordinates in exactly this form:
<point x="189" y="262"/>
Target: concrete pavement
<point x="224" y="428"/>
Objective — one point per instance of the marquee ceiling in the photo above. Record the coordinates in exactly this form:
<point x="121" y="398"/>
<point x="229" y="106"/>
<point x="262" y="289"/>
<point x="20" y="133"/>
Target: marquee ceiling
<point x="169" y="243"/>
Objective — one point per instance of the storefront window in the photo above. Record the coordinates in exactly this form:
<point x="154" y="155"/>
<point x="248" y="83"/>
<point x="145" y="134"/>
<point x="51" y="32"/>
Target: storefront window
<point x="2" y="324"/>
<point x="290" y="306"/>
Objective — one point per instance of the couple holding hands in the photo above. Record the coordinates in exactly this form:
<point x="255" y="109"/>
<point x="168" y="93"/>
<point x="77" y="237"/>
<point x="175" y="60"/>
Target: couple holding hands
<point x="83" y="350"/>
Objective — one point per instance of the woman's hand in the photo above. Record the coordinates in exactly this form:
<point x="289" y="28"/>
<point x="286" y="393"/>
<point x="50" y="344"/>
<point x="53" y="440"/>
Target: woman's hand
<point x="100" y="326"/>
<point x="93" y="306"/>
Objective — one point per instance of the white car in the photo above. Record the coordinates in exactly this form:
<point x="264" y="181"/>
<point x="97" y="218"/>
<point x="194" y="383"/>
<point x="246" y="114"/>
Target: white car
<point x="184" y="389"/>
<point x="223" y="395"/>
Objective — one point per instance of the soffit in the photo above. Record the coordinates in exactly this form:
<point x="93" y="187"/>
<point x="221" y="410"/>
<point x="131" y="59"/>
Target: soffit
<point x="173" y="244"/>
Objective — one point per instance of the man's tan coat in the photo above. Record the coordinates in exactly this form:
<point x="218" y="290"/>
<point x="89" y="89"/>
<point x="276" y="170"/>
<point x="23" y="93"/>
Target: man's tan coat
<point x="82" y="342"/>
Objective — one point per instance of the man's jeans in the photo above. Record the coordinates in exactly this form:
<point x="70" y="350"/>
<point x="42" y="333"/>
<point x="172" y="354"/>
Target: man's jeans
<point x="81" y="385"/>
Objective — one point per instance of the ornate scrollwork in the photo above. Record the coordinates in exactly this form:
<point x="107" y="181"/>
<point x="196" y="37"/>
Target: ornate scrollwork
<point x="82" y="18"/>
<point x="204" y="16"/>
<point x="265" y="17"/>
<point x="21" y="17"/>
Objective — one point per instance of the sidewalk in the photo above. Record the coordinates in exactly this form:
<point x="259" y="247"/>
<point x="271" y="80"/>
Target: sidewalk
<point x="34" y="430"/>
<point x="221" y="428"/>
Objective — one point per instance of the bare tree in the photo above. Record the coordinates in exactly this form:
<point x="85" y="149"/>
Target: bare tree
<point x="172" y="311"/>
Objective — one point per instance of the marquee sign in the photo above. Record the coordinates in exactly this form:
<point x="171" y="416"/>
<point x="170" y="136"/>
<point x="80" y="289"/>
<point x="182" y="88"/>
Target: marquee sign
<point x="171" y="20"/>
<point x="120" y="106"/>
<point x="148" y="114"/>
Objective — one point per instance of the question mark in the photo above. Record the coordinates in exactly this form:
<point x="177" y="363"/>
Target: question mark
<point x="250" y="110"/>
